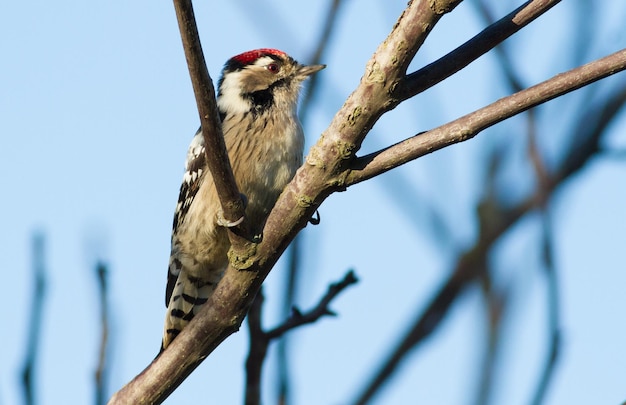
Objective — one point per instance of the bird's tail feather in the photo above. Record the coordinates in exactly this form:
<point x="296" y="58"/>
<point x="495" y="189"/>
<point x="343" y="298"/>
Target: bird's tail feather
<point x="187" y="298"/>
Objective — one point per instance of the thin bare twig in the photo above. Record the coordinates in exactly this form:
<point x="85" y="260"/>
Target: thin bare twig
<point x="260" y="340"/>
<point x="321" y="309"/>
<point x="102" y="369"/>
<point x="470" y="125"/>
<point x="35" y="321"/>
<point x="471" y="50"/>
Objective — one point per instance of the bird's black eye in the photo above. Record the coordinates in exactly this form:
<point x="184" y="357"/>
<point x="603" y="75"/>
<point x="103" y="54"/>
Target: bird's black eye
<point x="273" y="67"/>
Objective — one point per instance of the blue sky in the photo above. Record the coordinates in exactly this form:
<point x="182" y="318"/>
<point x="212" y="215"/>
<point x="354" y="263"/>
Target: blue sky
<point x="96" y="114"/>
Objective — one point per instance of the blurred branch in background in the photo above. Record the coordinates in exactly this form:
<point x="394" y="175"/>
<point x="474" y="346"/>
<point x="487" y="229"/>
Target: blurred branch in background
<point x="102" y="368"/>
<point x="548" y="265"/>
<point x="495" y="219"/>
<point x="496" y="304"/>
<point x="260" y="339"/>
<point x="35" y="322"/>
<point x="332" y="17"/>
<point x="501" y="50"/>
<point x="496" y="300"/>
<point x="294" y="252"/>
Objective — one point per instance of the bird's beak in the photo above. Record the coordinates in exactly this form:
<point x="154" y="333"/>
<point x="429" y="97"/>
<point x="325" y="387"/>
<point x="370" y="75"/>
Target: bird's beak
<point x="304" y="70"/>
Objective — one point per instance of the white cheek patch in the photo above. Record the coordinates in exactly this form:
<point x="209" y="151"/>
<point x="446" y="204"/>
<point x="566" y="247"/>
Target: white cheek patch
<point x="230" y="100"/>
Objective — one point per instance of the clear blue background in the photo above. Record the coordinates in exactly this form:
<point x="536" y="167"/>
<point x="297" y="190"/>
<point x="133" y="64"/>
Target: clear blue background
<point x="96" y="112"/>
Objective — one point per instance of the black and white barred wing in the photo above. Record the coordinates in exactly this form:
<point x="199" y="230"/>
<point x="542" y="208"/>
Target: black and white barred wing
<point x="195" y="168"/>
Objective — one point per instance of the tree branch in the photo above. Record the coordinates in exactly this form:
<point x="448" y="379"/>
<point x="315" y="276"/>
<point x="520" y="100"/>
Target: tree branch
<point x="495" y="220"/>
<point x="215" y="148"/>
<point x="470" y="125"/>
<point x="260" y="340"/>
<point x="321" y="309"/>
<point x="471" y="50"/>
<point x="325" y="171"/>
<point x="375" y="94"/>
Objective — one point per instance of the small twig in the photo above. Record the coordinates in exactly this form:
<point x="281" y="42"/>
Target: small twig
<point x="468" y="126"/>
<point x="102" y="369"/>
<point x="260" y="340"/>
<point x="34" y="328"/>
<point x="321" y="309"/>
<point x="471" y="50"/>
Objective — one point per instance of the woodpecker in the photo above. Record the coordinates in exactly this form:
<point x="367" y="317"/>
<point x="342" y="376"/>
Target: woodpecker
<point x="257" y="100"/>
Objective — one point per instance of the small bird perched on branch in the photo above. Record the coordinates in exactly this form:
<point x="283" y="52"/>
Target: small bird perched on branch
<point x="257" y="101"/>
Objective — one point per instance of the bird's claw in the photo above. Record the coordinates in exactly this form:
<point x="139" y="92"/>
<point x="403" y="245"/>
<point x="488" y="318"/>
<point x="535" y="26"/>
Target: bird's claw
<point x="221" y="221"/>
<point x="315" y="220"/>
